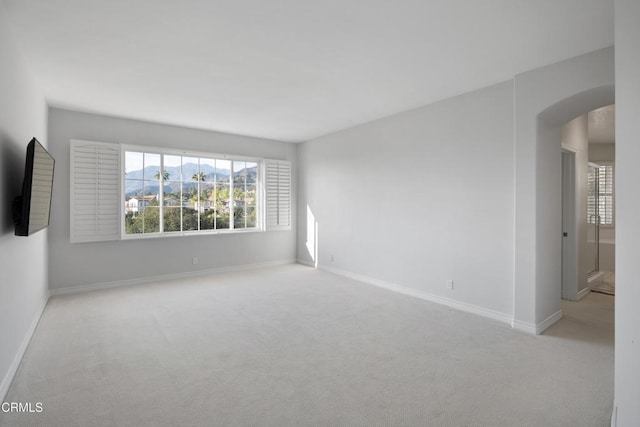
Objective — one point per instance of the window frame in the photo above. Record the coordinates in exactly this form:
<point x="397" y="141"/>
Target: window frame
<point x="260" y="225"/>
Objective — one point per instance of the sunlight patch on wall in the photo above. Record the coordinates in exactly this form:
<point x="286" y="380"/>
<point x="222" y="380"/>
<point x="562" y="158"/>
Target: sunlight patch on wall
<point x="312" y="236"/>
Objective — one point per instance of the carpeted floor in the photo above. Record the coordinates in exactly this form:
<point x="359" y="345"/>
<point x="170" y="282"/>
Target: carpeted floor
<point x="294" y="346"/>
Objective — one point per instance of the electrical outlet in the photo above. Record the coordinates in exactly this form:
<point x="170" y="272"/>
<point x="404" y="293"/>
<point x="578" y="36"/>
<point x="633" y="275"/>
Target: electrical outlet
<point x="331" y="258"/>
<point x="450" y="284"/>
<point x="195" y="260"/>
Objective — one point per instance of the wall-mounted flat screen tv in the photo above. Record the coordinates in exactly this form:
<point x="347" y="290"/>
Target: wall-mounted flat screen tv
<point x="31" y="210"/>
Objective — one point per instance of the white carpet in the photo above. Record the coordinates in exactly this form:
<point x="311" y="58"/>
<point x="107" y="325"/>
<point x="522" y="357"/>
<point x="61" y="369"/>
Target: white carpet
<point x="295" y="346"/>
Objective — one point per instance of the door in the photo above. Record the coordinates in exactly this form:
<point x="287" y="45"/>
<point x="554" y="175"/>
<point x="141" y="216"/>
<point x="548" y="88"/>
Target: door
<point x="569" y="235"/>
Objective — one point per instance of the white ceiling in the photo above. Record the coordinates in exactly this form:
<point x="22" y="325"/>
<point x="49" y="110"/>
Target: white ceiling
<point x="602" y="125"/>
<point x="290" y="70"/>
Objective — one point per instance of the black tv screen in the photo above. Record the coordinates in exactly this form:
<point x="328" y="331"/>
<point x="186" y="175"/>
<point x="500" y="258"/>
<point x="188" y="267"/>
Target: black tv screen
<point x="31" y="210"/>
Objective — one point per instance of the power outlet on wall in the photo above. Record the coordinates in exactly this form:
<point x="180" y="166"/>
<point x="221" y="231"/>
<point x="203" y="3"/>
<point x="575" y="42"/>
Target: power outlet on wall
<point x="331" y="258"/>
<point x="450" y="284"/>
<point x="194" y="260"/>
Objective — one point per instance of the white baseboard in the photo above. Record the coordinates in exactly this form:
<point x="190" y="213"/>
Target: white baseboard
<point x="458" y="305"/>
<point x="149" y="279"/>
<point x="614" y="415"/>
<point x="15" y="364"/>
<point x="529" y="328"/>
<point x="583" y="293"/>
<point x="532" y="328"/>
<point x="548" y="322"/>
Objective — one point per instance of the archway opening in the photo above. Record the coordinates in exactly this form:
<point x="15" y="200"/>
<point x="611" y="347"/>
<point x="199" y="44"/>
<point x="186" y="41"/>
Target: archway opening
<point x="549" y="207"/>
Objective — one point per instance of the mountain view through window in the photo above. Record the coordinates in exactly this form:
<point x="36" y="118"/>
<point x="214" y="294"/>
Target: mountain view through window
<point x="166" y="193"/>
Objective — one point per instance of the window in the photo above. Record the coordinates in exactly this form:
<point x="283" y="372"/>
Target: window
<point x="600" y="199"/>
<point x="166" y="192"/>
<point x="177" y="193"/>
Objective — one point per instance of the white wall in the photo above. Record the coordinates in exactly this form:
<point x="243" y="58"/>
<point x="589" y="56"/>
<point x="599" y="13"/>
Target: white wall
<point x="545" y="99"/>
<point x="575" y="136"/>
<point x="548" y="222"/>
<point x="418" y="198"/>
<point x="78" y="264"/>
<point x="627" y="373"/>
<point x="352" y="184"/>
<point x="602" y="152"/>
<point x="23" y="260"/>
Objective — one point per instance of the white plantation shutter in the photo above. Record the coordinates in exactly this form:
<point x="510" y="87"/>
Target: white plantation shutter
<point x="606" y="195"/>
<point x="603" y="185"/>
<point x="277" y="195"/>
<point x="591" y="195"/>
<point x="96" y="206"/>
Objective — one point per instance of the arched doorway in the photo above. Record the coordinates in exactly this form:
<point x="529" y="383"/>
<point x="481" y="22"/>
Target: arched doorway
<point x="545" y="100"/>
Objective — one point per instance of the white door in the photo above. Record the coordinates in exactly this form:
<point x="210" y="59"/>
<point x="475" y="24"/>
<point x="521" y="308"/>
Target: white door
<point x="569" y="237"/>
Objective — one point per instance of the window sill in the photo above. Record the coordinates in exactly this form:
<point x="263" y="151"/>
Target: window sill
<point x="187" y="234"/>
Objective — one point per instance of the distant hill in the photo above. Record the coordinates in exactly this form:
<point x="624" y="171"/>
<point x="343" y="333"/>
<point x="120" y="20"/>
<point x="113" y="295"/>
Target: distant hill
<point x="189" y="170"/>
<point x="134" y="187"/>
